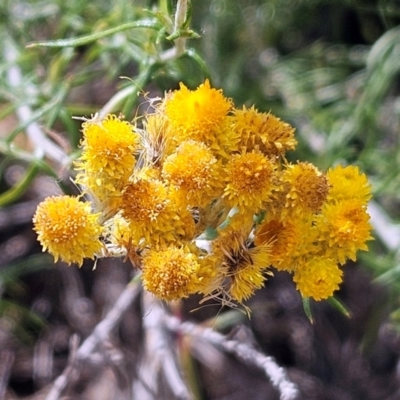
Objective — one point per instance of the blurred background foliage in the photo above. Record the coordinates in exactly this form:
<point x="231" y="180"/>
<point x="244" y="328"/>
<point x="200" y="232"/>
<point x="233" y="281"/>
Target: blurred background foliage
<point x="330" y="68"/>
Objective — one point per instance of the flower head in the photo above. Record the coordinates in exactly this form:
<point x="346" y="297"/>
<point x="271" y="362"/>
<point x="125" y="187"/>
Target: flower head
<point x="263" y="131"/>
<point x="143" y="200"/>
<point x="285" y="240"/>
<point x="308" y="188"/>
<point x="344" y="227"/>
<point x="156" y="139"/>
<point x="241" y="269"/>
<point x="196" y="114"/>
<point x="250" y="180"/>
<point x="109" y="146"/>
<point x="193" y="170"/>
<point x="317" y="278"/>
<point x="171" y="273"/>
<point x="348" y="183"/>
<point x="108" y="157"/>
<point x="154" y="219"/>
<point x="67" y="229"/>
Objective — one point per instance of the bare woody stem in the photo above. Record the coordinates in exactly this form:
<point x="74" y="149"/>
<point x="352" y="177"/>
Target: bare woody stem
<point x="99" y="334"/>
<point x="180" y="16"/>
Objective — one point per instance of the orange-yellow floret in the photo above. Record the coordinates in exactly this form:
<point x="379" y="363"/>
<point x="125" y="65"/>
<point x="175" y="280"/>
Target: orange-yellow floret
<point x="152" y="216"/>
<point x="348" y="183"/>
<point x="67" y="228"/>
<point x="196" y="114"/>
<point x="282" y="238"/>
<point x="240" y="270"/>
<point x="250" y="180"/>
<point x="156" y="139"/>
<point x="264" y="131"/>
<point x="318" y="278"/>
<point x="193" y="170"/>
<point x="344" y="227"/>
<point x="143" y="200"/>
<point x="108" y="157"/>
<point x="171" y="273"/>
<point x="307" y="188"/>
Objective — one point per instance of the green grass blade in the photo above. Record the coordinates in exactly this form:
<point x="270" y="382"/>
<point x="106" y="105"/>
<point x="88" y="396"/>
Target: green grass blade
<point x="83" y="40"/>
<point x="19" y="189"/>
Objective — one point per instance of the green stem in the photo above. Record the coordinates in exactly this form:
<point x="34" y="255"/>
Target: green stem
<point x="83" y="40"/>
<point x="180" y="19"/>
<point x="18" y="190"/>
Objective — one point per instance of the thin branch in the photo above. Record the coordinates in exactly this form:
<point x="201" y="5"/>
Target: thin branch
<point x="6" y="361"/>
<point x="99" y="334"/>
<point x="159" y="355"/>
<point x="43" y="146"/>
<point x="180" y="17"/>
<point x="278" y="376"/>
<point x="62" y="381"/>
<point x="387" y="231"/>
<point x="103" y="329"/>
<point x="116" y="100"/>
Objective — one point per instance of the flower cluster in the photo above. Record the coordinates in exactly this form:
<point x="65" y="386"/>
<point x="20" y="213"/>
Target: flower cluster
<point x="199" y="195"/>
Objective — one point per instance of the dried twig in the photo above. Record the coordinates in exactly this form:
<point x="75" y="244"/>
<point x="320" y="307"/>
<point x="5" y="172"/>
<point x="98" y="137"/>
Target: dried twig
<point x="43" y="145"/>
<point x="180" y="16"/>
<point x="250" y="356"/>
<point x="174" y="52"/>
<point x="159" y="356"/>
<point x="6" y="361"/>
<point x="62" y="381"/>
<point x="387" y="231"/>
<point x="100" y="333"/>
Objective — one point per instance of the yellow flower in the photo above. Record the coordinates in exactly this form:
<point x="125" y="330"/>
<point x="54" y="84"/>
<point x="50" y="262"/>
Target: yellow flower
<point x="143" y="200"/>
<point x="348" y="183"/>
<point x="193" y="170"/>
<point x="317" y="278"/>
<point x="119" y="242"/>
<point x="250" y="180"/>
<point x="108" y="157"/>
<point x="152" y="214"/>
<point x="171" y="273"/>
<point x="308" y="188"/>
<point x="67" y="229"/>
<point x="225" y="140"/>
<point x="241" y="270"/>
<point x="282" y="238"/>
<point x="264" y="131"/>
<point x="109" y="145"/>
<point x="344" y="227"/>
<point x="196" y="114"/>
<point x="156" y="139"/>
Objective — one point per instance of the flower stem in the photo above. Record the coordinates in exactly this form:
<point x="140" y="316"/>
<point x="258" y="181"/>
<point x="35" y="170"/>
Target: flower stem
<point x="180" y="19"/>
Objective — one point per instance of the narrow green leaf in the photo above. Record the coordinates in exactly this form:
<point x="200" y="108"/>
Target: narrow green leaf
<point x="339" y="306"/>
<point x="186" y="33"/>
<point x="83" y="40"/>
<point x="24" y="315"/>
<point x="192" y="54"/>
<point x="18" y="190"/>
<point x="31" y="264"/>
<point x="307" y="308"/>
<point x="34" y="116"/>
<point x="170" y="7"/>
<point x="188" y="17"/>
